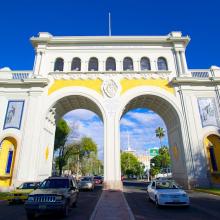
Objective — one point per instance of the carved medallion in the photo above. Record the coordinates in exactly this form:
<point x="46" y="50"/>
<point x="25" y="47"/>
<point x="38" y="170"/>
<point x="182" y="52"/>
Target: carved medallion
<point x="110" y="88"/>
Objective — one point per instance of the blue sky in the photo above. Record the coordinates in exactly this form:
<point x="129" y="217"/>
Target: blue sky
<point x="19" y="20"/>
<point x="200" y="19"/>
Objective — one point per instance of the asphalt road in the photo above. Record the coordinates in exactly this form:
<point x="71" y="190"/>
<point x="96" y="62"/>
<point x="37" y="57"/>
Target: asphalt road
<point x="203" y="206"/>
<point x="85" y="206"/>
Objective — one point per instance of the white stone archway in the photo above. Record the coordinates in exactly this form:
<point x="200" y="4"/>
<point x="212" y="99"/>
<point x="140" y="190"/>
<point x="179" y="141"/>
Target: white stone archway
<point x="67" y="99"/>
<point x="165" y="105"/>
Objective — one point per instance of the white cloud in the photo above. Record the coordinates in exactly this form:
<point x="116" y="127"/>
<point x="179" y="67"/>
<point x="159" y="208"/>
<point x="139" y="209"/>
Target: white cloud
<point x="80" y="114"/>
<point x="127" y="122"/>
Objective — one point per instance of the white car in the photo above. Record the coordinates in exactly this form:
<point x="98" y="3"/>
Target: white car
<point x="167" y="193"/>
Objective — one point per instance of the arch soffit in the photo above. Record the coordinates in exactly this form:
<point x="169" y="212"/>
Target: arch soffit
<point x="149" y="90"/>
<point x="78" y="91"/>
<point x="211" y="132"/>
<point x="15" y="139"/>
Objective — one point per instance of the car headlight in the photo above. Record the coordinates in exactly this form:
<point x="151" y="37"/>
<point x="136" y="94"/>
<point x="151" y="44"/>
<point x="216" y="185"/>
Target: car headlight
<point x="89" y="184"/>
<point x="58" y="198"/>
<point x="30" y="198"/>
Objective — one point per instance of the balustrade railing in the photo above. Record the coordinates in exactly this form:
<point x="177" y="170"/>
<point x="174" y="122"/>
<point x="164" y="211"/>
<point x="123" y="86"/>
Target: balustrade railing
<point x="200" y="73"/>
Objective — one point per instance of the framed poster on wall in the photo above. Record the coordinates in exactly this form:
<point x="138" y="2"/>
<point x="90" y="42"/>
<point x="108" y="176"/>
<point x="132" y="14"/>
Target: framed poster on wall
<point x="14" y="114"/>
<point x="208" y="111"/>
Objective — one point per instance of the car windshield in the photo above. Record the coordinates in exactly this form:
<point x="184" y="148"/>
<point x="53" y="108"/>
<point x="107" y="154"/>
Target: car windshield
<point x="86" y="179"/>
<point x="166" y="185"/>
<point x="27" y="186"/>
<point x="54" y="184"/>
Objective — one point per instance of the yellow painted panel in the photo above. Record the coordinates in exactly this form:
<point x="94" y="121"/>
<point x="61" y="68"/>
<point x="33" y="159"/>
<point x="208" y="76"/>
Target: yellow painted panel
<point x="6" y="145"/>
<point x="5" y="182"/>
<point x="91" y="84"/>
<point x="214" y="141"/>
<point x="46" y="153"/>
<point x="132" y="83"/>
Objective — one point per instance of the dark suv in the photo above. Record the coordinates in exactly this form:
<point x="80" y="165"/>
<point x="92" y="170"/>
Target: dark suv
<point x="54" y="194"/>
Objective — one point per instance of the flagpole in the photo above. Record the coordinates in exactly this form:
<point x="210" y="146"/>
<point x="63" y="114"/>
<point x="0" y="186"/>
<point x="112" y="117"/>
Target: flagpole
<point x="109" y="24"/>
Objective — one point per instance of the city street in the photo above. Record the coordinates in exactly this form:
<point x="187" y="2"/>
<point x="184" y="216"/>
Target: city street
<point x="83" y="210"/>
<point x="203" y="206"/>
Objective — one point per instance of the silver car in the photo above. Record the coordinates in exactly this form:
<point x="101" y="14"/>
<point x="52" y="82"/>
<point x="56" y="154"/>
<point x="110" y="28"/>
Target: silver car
<point x="166" y="193"/>
<point x="86" y="183"/>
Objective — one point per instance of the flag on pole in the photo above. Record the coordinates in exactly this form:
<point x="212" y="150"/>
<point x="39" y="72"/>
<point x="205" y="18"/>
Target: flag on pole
<point x="109" y="24"/>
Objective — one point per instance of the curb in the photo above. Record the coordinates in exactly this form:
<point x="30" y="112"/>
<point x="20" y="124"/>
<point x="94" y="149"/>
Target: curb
<point x="92" y="217"/>
<point x="207" y="192"/>
<point x="131" y="216"/>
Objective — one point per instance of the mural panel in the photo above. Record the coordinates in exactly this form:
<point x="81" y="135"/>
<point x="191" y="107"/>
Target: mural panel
<point x="14" y="114"/>
<point x="208" y="111"/>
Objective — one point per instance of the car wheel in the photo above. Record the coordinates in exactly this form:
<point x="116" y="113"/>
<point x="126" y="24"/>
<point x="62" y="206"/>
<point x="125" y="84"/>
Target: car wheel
<point x="74" y="204"/>
<point x="10" y="203"/>
<point x="65" y="211"/>
<point x="30" y="216"/>
<point x="157" y="204"/>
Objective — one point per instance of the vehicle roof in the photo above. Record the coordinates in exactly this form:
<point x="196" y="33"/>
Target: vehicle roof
<point x="60" y="177"/>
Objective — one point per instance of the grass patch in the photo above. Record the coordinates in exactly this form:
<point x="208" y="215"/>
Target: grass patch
<point x="4" y="195"/>
<point x="213" y="191"/>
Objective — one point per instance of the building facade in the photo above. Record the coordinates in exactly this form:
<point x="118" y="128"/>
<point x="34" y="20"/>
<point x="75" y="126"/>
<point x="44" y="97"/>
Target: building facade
<point x="109" y="76"/>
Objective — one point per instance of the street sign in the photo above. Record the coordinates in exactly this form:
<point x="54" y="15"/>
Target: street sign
<point x="154" y="152"/>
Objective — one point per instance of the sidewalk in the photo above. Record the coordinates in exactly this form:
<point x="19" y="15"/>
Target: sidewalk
<point x="112" y="205"/>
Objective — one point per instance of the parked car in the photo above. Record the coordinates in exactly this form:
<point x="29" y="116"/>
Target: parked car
<point x="55" y="194"/>
<point x="98" y="179"/>
<point x="20" y="194"/>
<point x="86" y="182"/>
<point x="165" y="192"/>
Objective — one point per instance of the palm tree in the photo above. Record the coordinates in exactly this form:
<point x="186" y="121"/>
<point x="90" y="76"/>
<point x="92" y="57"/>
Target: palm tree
<point x="160" y="133"/>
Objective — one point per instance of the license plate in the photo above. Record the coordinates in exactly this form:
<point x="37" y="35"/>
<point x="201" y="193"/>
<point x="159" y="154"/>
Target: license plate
<point x="42" y="206"/>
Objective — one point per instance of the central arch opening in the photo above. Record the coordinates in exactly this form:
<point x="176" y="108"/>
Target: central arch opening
<point x="168" y="118"/>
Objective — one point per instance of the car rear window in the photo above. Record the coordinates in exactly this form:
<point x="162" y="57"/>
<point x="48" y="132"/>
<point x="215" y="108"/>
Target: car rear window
<point x="54" y="183"/>
<point x="27" y="186"/>
<point x="166" y="185"/>
<point x="86" y="179"/>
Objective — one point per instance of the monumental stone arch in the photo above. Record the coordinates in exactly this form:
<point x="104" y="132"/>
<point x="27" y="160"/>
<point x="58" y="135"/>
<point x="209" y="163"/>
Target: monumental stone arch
<point x="162" y="103"/>
<point x="109" y="75"/>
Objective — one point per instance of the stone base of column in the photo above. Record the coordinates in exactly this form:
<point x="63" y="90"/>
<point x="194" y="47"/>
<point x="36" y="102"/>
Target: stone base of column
<point x="113" y="185"/>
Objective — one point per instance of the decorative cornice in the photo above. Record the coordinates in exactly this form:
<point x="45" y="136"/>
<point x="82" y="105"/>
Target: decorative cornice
<point x="50" y="39"/>
<point x="104" y="76"/>
<point x="32" y="82"/>
<point x="211" y="81"/>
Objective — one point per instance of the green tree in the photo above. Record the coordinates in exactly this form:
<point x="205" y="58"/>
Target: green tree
<point x="160" y="161"/>
<point x="130" y="164"/>
<point x="88" y="146"/>
<point x="80" y="157"/>
<point x="61" y="134"/>
<point x="62" y="131"/>
<point x="160" y="133"/>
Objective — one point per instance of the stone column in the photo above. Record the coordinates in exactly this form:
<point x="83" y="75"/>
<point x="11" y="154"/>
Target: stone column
<point x="112" y="165"/>
<point x="183" y="61"/>
<point x="37" y="62"/>
<point x="179" y="65"/>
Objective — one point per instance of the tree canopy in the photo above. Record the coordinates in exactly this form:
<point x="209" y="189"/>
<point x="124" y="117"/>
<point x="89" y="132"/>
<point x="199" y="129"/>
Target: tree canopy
<point x="62" y="131"/>
<point x="130" y="164"/>
<point x="160" y="133"/>
<point x="160" y="161"/>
